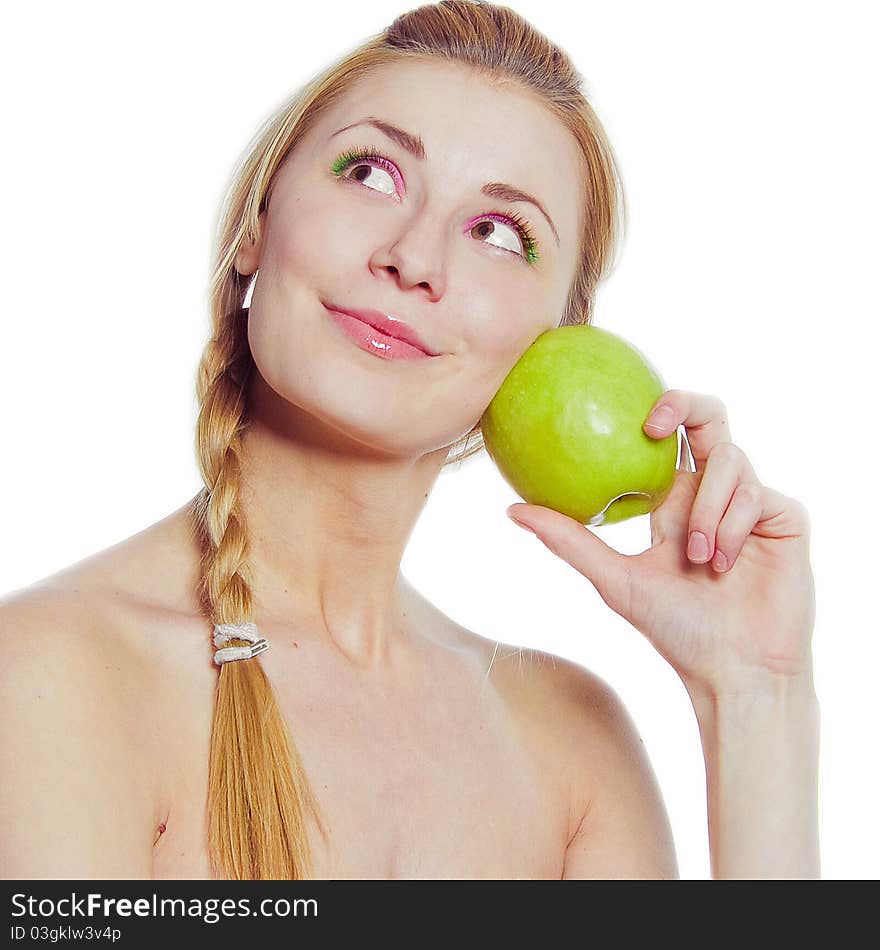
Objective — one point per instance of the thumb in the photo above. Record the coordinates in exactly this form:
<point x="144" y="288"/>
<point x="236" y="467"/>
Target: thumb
<point x="607" y="570"/>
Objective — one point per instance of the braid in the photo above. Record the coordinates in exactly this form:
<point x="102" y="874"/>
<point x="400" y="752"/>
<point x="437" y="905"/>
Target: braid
<point x="257" y="788"/>
<point x="258" y="791"/>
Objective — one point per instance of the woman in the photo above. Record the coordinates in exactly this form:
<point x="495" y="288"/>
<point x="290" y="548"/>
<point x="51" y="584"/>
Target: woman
<point x="451" y="176"/>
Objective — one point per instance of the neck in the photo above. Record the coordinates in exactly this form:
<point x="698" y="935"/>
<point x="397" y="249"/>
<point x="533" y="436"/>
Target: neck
<point x="327" y="521"/>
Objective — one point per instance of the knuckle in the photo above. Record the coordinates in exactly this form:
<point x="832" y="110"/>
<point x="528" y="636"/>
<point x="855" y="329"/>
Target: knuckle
<point x="714" y="406"/>
<point x="722" y="449"/>
<point x="718" y="406"/>
<point x="805" y="513"/>
<point x="801" y="513"/>
<point x="749" y="492"/>
<point x="728" y="451"/>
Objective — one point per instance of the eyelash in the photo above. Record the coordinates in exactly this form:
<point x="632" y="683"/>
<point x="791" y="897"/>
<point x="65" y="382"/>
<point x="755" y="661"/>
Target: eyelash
<point x="367" y="153"/>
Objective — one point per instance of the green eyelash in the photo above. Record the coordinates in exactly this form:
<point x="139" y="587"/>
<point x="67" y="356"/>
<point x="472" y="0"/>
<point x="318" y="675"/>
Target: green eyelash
<point x="529" y="243"/>
<point x="362" y="152"/>
<point x="356" y="154"/>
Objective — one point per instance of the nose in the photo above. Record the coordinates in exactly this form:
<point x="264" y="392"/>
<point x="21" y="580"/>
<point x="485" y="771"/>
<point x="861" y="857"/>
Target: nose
<point x="413" y="260"/>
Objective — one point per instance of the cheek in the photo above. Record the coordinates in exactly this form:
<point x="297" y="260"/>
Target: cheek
<point x="501" y="329"/>
<point x="316" y="236"/>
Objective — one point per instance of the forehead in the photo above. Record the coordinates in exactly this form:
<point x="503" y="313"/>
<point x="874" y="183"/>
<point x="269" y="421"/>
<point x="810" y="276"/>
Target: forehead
<point x="473" y="130"/>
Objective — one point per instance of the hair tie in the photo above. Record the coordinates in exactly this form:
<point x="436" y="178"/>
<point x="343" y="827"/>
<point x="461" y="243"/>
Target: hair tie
<point x="224" y="632"/>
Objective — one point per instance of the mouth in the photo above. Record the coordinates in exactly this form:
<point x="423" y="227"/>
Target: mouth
<point x="387" y="324"/>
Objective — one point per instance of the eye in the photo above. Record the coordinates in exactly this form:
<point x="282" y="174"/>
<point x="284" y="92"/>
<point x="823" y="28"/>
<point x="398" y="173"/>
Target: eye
<point x="508" y="231"/>
<point x="490" y="229"/>
<point x="370" y="169"/>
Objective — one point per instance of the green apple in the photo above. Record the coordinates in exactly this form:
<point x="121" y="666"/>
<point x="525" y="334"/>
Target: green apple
<point x="565" y="427"/>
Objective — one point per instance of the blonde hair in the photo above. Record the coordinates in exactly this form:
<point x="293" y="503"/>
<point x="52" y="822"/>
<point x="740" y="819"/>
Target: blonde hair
<point x="259" y="797"/>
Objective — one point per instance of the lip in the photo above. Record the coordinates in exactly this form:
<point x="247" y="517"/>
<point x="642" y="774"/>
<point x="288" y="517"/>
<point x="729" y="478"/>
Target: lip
<point x="388" y="325"/>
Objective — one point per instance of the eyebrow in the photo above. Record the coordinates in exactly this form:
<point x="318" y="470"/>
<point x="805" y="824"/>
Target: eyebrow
<point x="414" y="145"/>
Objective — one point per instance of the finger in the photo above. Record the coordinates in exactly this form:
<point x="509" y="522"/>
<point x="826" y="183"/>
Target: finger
<point x="703" y="416"/>
<point x="782" y="517"/>
<point x="726" y="468"/>
<point x="608" y="570"/>
<point x="742" y="515"/>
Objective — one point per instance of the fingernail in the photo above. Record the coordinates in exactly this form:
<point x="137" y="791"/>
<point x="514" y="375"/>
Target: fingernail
<point x="522" y="524"/>
<point x="698" y="546"/>
<point x="661" y="418"/>
<point x="719" y="562"/>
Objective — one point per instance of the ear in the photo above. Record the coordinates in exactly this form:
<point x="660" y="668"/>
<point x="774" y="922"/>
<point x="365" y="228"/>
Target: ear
<point x="247" y="260"/>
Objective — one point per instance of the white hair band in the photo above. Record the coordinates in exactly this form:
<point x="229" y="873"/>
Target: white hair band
<point x="224" y="632"/>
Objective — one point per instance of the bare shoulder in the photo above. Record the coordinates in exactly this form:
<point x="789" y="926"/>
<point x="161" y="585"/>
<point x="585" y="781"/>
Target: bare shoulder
<point x="72" y="751"/>
<point x="566" y="709"/>
<point x="576" y="709"/>
<point x="619" y="824"/>
<point x="107" y="613"/>
<point x="563" y="696"/>
<point x="58" y="636"/>
<point x="93" y="660"/>
<point x="157" y="565"/>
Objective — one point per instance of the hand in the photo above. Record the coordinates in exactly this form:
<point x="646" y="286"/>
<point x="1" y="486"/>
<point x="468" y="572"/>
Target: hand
<point x="715" y="623"/>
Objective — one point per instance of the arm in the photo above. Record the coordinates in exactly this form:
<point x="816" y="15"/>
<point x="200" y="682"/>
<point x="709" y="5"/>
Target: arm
<point x="761" y="746"/>
<point x="726" y="595"/>
<point x="75" y="803"/>
<point x="624" y="832"/>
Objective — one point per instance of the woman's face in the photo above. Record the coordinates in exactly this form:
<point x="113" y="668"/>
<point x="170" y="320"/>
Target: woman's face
<point x="414" y="237"/>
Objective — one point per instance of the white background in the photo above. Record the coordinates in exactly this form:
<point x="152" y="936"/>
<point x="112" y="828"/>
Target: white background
<point x="747" y="138"/>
